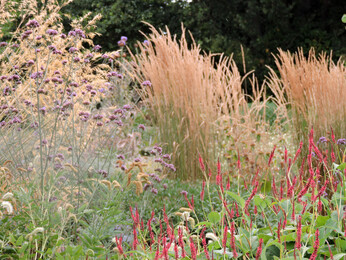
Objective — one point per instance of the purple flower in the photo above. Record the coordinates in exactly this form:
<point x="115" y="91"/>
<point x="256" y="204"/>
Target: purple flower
<point x="80" y="33"/>
<point x="164" y="186"/>
<point x="322" y="140"/>
<point x="153" y="190"/>
<point x="32" y="24"/>
<point x="123" y="38"/>
<point x="121" y="157"/>
<point x="146" y="83"/>
<point x="97" y="47"/>
<point x="52" y="32"/>
<point x="146" y="43"/>
<point x="141" y="126"/>
<point x="43" y="110"/>
<point x="341" y="141"/>
<point x="64" y="62"/>
<point x="15" y="45"/>
<point x="63" y="36"/>
<point x="137" y="159"/>
<point x="72" y="50"/>
<point x="3" y="44"/>
<point x="36" y="75"/>
<point x="127" y="107"/>
<point x="74" y="84"/>
<point x="51" y="47"/>
<point x="121" y="43"/>
<point x="184" y="192"/>
<point x="30" y="62"/>
<point x="76" y="59"/>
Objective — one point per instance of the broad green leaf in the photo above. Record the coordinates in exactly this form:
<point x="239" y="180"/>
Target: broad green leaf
<point x="259" y="202"/>
<point x="339" y="256"/>
<point x="341" y="243"/>
<point x="321" y="220"/>
<point x="214" y="217"/>
<point x="237" y="198"/>
<point x="271" y="252"/>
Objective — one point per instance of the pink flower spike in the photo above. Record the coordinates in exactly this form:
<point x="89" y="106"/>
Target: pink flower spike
<point x="259" y="249"/>
<point x="201" y="164"/>
<point x="271" y="155"/>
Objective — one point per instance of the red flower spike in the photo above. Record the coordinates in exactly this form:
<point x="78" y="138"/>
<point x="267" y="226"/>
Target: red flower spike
<point x="209" y="174"/>
<point x="332" y="155"/>
<point x="319" y="206"/>
<point x="202" y="192"/>
<point x="176" y="251"/>
<point x="316" y="245"/>
<point x="193" y="249"/>
<point x="259" y="249"/>
<point x="333" y="136"/>
<point x="298" y="152"/>
<point x="181" y="242"/>
<point x="224" y="239"/>
<point x="201" y="164"/>
<point x="285" y="157"/>
<point x="218" y="167"/>
<point x="228" y="187"/>
<point x="254" y="191"/>
<point x="299" y="233"/>
<point x="271" y="156"/>
<point x="118" y="242"/>
<point x="235" y="254"/>
<point x="236" y="209"/>
<point x="135" y="239"/>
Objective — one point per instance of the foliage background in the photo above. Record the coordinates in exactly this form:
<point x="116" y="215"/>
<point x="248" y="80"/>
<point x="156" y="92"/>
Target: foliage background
<point x="261" y="26"/>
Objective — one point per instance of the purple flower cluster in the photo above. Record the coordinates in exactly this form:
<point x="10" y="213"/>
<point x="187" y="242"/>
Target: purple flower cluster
<point x="122" y="41"/>
<point x="52" y="32"/>
<point x="77" y="33"/>
<point x="32" y="24"/>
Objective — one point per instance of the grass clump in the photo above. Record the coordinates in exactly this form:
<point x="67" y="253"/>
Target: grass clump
<point x="314" y="87"/>
<point x="194" y="99"/>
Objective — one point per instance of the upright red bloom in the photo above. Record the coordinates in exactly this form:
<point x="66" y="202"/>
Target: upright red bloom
<point x="201" y="164"/>
<point x="299" y="233"/>
<point x="271" y="155"/>
<point x="298" y="152"/>
<point x="118" y="242"/>
<point x="202" y="192"/>
<point x="254" y="191"/>
<point x="193" y="249"/>
<point x="235" y="254"/>
<point x="259" y="249"/>
<point x="204" y="243"/>
<point x="224" y="239"/>
<point x="316" y="245"/>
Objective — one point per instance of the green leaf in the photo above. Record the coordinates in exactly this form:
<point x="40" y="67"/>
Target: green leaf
<point x="343" y="19"/>
<point x="321" y="220"/>
<point x="214" y="217"/>
<point x="271" y="252"/>
<point x="206" y="223"/>
<point x="339" y="256"/>
<point x="237" y="198"/>
<point x="259" y="202"/>
<point x="341" y="243"/>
